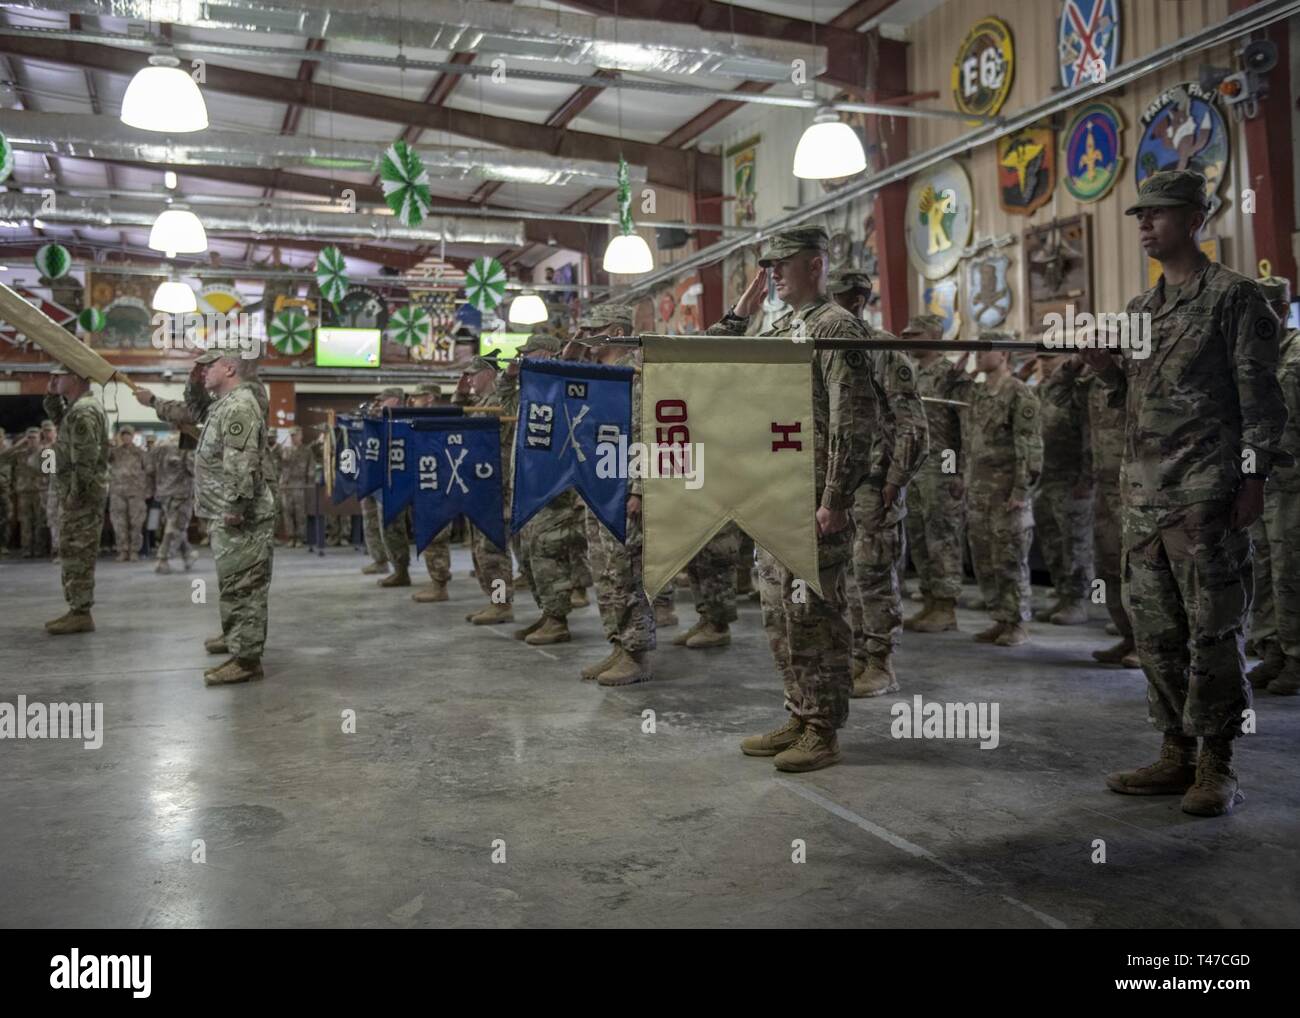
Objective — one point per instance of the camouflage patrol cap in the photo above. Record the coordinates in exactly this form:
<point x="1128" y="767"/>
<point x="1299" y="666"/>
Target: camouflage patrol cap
<point x="541" y="342"/>
<point x="788" y="243"/>
<point x="47" y="423"/>
<point x="126" y="429"/>
<point x="209" y="357"/>
<point x="392" y="392"/>
<point x="33" y="432"/>
<point x="481" y="363"/>
<point x="601" y="315"/>
<point x="996" y="335"/>
<point x="1170" y="189"/>
<point x="1276" y="289"/>
<point x="848" y="281"/>
<point x="921" y="324"/>
<point x="428" y="389"/>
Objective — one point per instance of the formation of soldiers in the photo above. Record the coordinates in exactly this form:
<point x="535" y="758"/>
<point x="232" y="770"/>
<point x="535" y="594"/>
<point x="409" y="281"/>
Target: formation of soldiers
<point x="1144" y="478"/>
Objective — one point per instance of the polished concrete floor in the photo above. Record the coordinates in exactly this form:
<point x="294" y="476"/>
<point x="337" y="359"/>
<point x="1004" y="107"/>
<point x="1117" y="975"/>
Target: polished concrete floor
<point x="465" y="738"/>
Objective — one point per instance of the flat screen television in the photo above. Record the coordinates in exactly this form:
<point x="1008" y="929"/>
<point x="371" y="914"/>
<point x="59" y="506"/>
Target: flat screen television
<point x="347" y="348"/>
<point x="504" y="343"/>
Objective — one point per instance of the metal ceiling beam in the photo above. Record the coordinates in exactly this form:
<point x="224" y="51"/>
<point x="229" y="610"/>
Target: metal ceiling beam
<point x="664" y="166"/>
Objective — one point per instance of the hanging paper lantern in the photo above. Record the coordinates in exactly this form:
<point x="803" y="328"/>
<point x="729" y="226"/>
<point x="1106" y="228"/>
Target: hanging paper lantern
<point x="485" y="283"/>
<point x="6" y="158"/>
<point x="405" y="182"/>
<point x="289" y="332"/>
<point x="92" y="320"/>
<point x="408" y="326"/>
<point x="53" y="261"/>
<point x="332" y="274"/>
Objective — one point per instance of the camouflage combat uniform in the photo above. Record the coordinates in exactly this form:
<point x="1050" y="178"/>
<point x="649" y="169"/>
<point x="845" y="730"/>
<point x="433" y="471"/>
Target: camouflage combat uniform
<point x="81" y="479"/>
<point x="6" y="494"/>
<point x="895" y="448"/>
<point x="297" y="486"/>
<point x="372" y="529"/>
<point x="1003" y="460"/>
<point x="713" y="577"/>
<point x="25" y="467"/>
<point x="173" y="470"/>
<point x="811" y="640"/>
<point x="492" y="565"/>
<point x="128" y="486"/>
<point x="230" y="480"/>
<point x="1062" y="506"/>
<point x="1206" y="396"/>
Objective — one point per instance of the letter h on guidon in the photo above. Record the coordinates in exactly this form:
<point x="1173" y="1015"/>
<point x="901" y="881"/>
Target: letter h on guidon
<point x="747" y="403"/>
<point x="567" y="411"/>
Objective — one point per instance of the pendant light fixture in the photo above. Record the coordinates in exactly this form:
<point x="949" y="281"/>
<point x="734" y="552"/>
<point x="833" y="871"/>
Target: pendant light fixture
<point x="162" y="97"/>
<point x="627" y="253"/>
<point x="829" y="148"/>
<point x="178" y="231"/>
<point x="528" y="309"/>
<point x="174" y="297"/>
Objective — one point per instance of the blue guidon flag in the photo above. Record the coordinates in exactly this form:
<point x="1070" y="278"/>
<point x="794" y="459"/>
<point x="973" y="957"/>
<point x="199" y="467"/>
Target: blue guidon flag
<point x="395" y="483"/>
<point x="567" y="412"/>
<point x="349" y="437"/>
<point x="444" y="467"/>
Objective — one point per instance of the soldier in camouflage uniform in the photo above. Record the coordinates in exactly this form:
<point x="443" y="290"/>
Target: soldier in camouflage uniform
<point x="1063" y="503"/>
<point x="233" y="494"/>
<point x="50" y="435"/>
<point x="24" y="461"/>
<point x="1004" y="458"/>
<point x="1205" y="426"/>
<point x="808" y="634"/>
<point x="1103" y="453"/>
<point x="173" y="470"/>
<point x="297" y="483"/>
<point x="936" y="513"/>
<point x="625" y="613"/>
<point x="372" y="531"/>
<point x="437" y="554"/>
<point x="128" y="484"/>
<point x="1279" y="672"/>
<point x="492" y="565"/>
<point x="551" y="543"/>
<point x="6" y="493"/>
<point x="396" y="536"/>
<point x="81" y="479"/>
<point x="896" y="450"/>
<point x="712" y="573"/>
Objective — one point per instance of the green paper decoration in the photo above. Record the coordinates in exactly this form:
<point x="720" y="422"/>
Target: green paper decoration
<point x="624" y="198"/>
<point x="53" y="261"/>
<point x="6" y="159"/>
<point x="92" y="320"/>
<point x="405" y="182"/>
<point x="332" y="274"/>
<point x="485" y="283"/>
<point x="289" y="332"/>
<point x="409" y="325"/>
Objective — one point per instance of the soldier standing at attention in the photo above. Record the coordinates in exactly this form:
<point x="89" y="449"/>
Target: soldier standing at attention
<point x="232" y="493"/>
<point x="936" y="524"/>
<point x="437" y="555"/>
<point x="1204" y="430"/>
<point x="50" y="510"/>
<point x="24" y="461"/>
<point x="1063" y="503"/>
<point x="174" y="489"/>
<point x="1279" y="672"/>
<point x="81" y="479"/>
<point x="894" y="451"/>
<point x="393" y="537"/>
<point x="1003" y="462"/>
<point x="6" y="493"/>
<point x="297" y="481"/>
<point x="810" y="639"/>
<point x="127" y="486"/>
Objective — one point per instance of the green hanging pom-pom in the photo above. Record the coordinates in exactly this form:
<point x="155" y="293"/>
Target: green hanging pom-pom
<point x="92" y="320"/>
<point x="53" y="261"/>
<point x="405" y="182"/>
<point x="624" y="198"/>
<point x="332" y="274"/>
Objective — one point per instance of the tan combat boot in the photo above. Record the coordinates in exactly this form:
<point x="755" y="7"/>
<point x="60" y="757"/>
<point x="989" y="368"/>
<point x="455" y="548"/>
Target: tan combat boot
<point x="493" y="614"/>
<point x="593" y="670"/>
<point x="578" y="597"/>
<point x="876" y="679"/>
<point x="73" y="622"/>
<point x="683" y="580"/>
<point x="528" y="630"/>
<point x="433" y="592"/>
<point x="1173" y="774"/>
<point x="1013" y="635"/>
<point x="1131" y="660"/>
<point x="401" y="578"/>
<point x="521" y="582"/>
<point x="942" y="617"/>
<point x="910" y="622"/>
<point x="189" y="558"/>
<point x="216" y="645"/>
<point x="627" y="669"/>
<point x="680" y="639"/>
<point x="1215" y="791"/>
<point x="375" y="567"/>
<point x="1288" y="683"/>
<point x="665" y="616"/>
<point x="709" y="635"/>
<point x="1114" y="655"/>
<point x="163" y="567"/>
<point x="237" y="669"/>
<point x="1070" y="613"/>
<point x="991" y="634"/>
<point x="814" y="750"/>
<point x="1045" y="614"/>
<point x="1264" y="673"/>
<point x="120" y="557"/>
<point x="773" y="742"/>
<point x="552" y="630"/>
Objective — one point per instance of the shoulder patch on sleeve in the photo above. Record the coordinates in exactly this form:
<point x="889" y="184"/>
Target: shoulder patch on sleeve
<point x="1028" y="412"/>
<point x="855" y="358"/>
<point x="1265" y="328"/>
<point x="904" y="373"/>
